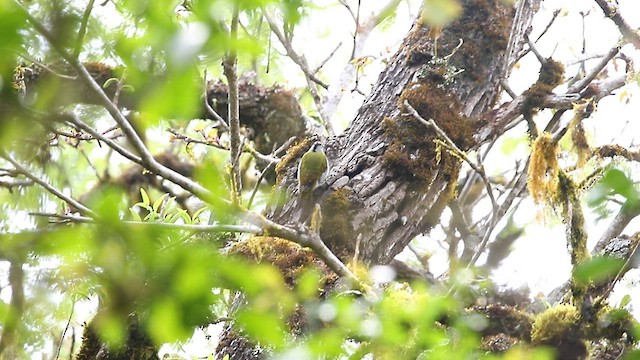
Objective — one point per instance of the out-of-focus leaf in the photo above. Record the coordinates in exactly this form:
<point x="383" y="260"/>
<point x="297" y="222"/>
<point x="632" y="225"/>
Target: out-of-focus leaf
<point x="597" y="269"/>
<point x="308" y="284"/>
<point x="266" y="327"/>
<point x="440" y="12"/>
<point x="12" y="20"/>
<point x="165" y="324"/>
<point x="620" y="184"/>
<point x="626" y="299"/>
<point x="158" y="202"/>
<point x="112" y="329"/>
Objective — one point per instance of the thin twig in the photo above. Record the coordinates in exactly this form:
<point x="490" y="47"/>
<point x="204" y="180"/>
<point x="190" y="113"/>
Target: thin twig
<point x="59" y="194"/>
<point x="578" y="86"/>
<point x="46" y="68"/>
<point x="535" y="51"/>
<point x="518" y="187"/>
<point x="326" y="59"/>
<point x="229" y="65"/>
<point x="349" y="71"/>
<point x="216" y="144"/>
<point x="209" y="108"/>
<point x="83" y="28"/>
<point x="628" y="33"/>
<point x="64" y="332"/>
<point x="301" y="61"/>
<point x="546" y="28"/>
<point x="260" y="178"/>
<point x="187" y="227"/>
<point x="72" y="119"/>
<point x="355" y="32"/>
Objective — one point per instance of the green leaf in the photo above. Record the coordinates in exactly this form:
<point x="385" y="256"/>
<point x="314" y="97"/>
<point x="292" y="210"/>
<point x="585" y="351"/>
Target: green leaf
<point x="598" y="269"/>
<point x="625" y="300"/>
<point x="619" y="182"/>
<point x="158" y="202"/>
<point x="265" y="327"/>
<point x="109" y="82"/>
<point x="135" y="215"/>
<point x="165" y="324"/>
<point x="145" y="197"/>
<point x="440" y="12"/>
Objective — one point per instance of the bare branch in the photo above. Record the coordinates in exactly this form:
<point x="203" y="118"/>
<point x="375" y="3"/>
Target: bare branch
<point x="629" y="34"/>
<point x="519" y="186"/>
<point x="627" y="212"/>
<point x="577" y="87"/>
<point x="73" y="119"/>
<point x="301" y="61"/>
<point x="15" y="183"/>
<point x="66" y="328"/>
<point x="229" y="65"/>
<point x="210" y="110"/>
<point x="339" y="86"/>
<point x="503" y="116"/>
<point x="323" y="62"/>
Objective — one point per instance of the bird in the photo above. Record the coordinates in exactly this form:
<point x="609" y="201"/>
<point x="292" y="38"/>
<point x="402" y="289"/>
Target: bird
<point x="312" y="170"/>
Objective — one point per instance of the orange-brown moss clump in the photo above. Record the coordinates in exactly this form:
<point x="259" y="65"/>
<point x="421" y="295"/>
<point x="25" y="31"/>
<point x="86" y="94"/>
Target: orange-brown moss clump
<point x="412" y="153"/>
<point x="551" y="75"/>
<point x="505" y="319"/>
<point x="288" y="257"/>
<point x="542" y="178"/>
<point x="336" y="230"/>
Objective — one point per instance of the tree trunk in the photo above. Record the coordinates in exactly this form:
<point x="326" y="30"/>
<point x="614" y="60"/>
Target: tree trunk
<point x="387" y="164"/>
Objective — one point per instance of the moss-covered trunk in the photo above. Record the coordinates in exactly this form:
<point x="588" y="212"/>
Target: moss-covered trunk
<point x="388" y="164"/>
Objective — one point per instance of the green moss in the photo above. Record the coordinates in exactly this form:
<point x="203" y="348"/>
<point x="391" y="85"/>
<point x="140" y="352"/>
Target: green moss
<point x="553" y="325"/>
<point x="336" y="230"/>
<point x="613" y="323"/>
<point x="576" y="232"/>
<point x="288" y="257"/>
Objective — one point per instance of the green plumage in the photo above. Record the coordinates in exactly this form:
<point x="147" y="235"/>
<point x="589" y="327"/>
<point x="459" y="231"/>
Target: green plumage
<point x="312" y="169"/>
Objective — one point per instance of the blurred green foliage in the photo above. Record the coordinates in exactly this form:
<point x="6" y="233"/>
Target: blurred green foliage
<point x="175" y="280"/>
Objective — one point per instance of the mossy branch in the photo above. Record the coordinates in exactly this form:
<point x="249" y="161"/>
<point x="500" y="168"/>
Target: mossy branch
<point x="575" y="228"/>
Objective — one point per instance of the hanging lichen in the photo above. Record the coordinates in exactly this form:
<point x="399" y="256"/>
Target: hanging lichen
<point x="542" y="179"/>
